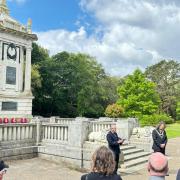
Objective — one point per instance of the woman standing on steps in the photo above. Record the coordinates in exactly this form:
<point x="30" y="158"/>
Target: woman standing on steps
<point x="159" y="138"/>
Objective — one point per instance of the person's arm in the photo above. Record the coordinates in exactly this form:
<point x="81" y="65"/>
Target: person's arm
<point x="166" y="139"/>
<point x="111" y="141"/>
<point x="154" y="136"/>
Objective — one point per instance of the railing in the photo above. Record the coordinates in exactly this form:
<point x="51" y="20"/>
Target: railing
<point x="55" y="132"/>
<point x="99" y="126"/>
<point x="17" y="132"/>
<point x="64" y="120"/>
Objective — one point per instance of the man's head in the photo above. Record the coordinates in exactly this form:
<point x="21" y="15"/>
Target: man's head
<point x="113" y="128"/>
<point x="158" y="164"/>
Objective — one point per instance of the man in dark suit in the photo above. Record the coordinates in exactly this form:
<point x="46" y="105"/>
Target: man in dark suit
<point x="114" y="143"/>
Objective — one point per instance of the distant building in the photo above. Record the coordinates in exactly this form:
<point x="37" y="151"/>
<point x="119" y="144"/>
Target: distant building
<point x="15" y="65"/>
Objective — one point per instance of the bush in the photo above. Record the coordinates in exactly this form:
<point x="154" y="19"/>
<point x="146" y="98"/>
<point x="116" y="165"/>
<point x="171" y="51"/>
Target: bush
<point x="114" y="111"/>
<point x="153" y="120"/>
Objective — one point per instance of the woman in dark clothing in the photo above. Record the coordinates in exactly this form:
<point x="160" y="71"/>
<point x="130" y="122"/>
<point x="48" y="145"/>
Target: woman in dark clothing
<point x="159" y="138"/>
<point x="103" y="166"/>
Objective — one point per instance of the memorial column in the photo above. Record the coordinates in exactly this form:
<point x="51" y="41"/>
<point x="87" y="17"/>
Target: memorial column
<point x="27" y="83"/>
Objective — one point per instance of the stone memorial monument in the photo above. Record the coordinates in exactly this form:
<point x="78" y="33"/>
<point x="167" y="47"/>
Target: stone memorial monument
<point x="15" y="65"/>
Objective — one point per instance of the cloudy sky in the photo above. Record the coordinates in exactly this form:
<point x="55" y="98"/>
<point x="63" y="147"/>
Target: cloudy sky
<point x="122" y="34"/>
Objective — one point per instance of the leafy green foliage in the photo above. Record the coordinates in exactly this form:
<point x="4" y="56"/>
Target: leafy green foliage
<point x="153" y="120"/>
<point x="178" y="111"/>
<point x="72" y="85"/>
<point x="166" y="75"/>
<point x="137" y="95"/>
<point x="114" y="111"/>
<point x="36" y="77"/>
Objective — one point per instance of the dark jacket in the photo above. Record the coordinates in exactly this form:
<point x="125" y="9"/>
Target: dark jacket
<point x="158" y="140"/>
<point x="99" y="176"/>
<point x="112" y="139"/>
<point x="178" y="175"/>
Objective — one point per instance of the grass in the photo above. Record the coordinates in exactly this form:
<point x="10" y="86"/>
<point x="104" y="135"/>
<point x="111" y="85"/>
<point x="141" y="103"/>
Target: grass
<point x="173" y="130"/>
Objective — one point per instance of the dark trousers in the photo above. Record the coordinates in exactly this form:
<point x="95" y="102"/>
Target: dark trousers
<point x="116" y="158"/>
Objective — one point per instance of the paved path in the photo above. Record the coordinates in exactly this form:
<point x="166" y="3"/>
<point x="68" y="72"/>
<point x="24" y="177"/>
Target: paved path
<point x="38" y="169"/>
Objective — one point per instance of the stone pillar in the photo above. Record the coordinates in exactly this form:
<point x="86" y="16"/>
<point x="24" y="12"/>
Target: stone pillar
<point x="1" y="50"/>
<point x="17" y="76"/>
<point x="125" y="127"/>
<point x="38" y="132"/>
<point x="38" y="123"/>
<point x="21" y="73"/>
<point x="27" y="82"/>
<point x="4" y="77"/>
<point x="78" y="133"/>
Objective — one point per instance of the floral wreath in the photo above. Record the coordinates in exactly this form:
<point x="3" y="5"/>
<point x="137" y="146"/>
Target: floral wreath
<point x="12" y="46"/>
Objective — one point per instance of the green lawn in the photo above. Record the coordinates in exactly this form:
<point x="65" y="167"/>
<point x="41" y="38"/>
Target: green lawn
<point x="173" y="130"/>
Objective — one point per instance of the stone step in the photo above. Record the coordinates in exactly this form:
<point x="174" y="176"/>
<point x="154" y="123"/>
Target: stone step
<point x="132" y="151"/>
<point x="134" y="162"/>
<point x="135" y="156"/>
<point x="132" y="169"/>
<point x="127" y="147"/>
<point x="91" y="146"/>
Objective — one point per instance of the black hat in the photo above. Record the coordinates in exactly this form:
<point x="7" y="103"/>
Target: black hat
<point x="3" y="165"/>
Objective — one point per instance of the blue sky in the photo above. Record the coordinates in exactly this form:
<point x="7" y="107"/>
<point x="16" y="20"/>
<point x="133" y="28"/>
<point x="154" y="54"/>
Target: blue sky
<point x="49" y="14"/>
<point x="121" y="34"/>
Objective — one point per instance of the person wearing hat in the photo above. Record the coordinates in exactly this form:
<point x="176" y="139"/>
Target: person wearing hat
<point x="157" y="166"/>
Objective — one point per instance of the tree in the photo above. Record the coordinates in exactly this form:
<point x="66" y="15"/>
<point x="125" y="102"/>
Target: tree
<point x="114" y="111"/>
<point x="137" y="95"/>
<point x="178" y="111"/>
<point x="166" y="75"/>
<point x="39" y="54"/>
<point x="72" y="85"/>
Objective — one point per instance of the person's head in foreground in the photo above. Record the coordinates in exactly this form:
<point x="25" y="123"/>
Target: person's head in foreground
<point x="113" y="128"/>
<point x="103" y="165"/>
<point x="103" y="161"/>
<point x="158" y="165"/>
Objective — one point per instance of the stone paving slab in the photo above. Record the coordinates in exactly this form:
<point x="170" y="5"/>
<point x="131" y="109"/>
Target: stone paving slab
<point x="38" y="169"/>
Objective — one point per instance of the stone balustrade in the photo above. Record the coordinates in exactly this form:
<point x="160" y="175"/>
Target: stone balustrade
<point x="17" y="132"/>
<point x="99" y="126"/>
<point x="54" y="132"/>
<point x="64" y="120"/>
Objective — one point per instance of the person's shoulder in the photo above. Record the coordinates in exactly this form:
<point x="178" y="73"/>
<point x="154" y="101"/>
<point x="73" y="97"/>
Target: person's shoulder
<point x="117" y="177"/>
<point x="83" y="177"/>
<point x="109" y="133"/>
<point x="154" y="131"/>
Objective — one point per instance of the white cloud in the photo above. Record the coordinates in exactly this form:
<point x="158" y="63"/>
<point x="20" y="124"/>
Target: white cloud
<point x="134" y="33"/>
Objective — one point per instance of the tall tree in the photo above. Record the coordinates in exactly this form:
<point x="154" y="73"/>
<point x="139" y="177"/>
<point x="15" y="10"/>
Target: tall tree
<point x="166" y="74"/>
<point x="138" y="96"/>
<point x="72" y="85"/>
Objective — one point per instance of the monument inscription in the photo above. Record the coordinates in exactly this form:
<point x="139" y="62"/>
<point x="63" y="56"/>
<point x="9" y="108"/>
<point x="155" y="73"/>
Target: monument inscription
<point x="9" y="106"/>
<point x="11" y="75"/>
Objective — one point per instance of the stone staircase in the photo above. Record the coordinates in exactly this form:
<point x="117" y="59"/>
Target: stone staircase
<point x="132" y="159"/>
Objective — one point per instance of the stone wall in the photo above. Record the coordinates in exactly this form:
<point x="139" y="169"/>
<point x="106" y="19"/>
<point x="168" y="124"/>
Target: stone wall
<point x="18" y="141"/>
<point x="59" y="138"/>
